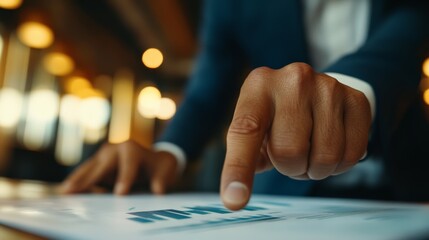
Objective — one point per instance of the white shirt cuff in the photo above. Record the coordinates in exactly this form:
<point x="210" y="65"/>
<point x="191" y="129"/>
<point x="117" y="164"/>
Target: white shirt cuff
<point x="359" y="85"/>
<point x="174" y="150"/>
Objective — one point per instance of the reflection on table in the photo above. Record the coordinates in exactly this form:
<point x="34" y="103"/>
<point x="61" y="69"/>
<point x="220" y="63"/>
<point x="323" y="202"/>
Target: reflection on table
<point x="23" y="189"/>
<point x="19" y="189"/>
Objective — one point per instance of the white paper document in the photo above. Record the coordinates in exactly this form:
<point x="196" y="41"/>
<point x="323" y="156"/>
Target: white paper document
<point x="202" y="216"/>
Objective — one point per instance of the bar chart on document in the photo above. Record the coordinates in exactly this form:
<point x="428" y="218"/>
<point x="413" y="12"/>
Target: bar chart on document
<point x="279" y="215"/>
<point x="202" y="216"/>
<point x="209" y="216"/>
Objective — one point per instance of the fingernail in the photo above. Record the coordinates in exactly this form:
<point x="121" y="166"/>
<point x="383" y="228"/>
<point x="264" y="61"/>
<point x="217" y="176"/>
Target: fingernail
<point x="364" y="156"/>
<point x="119" y="189"/>
<point x="156" y="187"/>
<point x="236" y="193"/>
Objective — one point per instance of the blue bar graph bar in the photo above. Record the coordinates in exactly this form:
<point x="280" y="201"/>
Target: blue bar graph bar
<point x="180" y="212"/>
<point x="253" y="208"/>
<point x="160" y="214"/>
<point x="165" y="214"/>
<point x="141" y="220"/>
<point x="199" y="212"/>
<point x="216" y="223"/>
<point x="209" y="209"/>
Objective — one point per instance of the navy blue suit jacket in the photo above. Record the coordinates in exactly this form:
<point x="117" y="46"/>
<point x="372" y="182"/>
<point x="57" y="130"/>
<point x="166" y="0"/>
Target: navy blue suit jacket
<point x="244" y="34"/>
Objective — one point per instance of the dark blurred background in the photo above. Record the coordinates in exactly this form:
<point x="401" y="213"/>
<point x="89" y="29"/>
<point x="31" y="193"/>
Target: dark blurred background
<point x="77" y="73"/>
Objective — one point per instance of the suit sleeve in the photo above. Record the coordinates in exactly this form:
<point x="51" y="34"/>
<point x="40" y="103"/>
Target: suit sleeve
<point x="213" y="85"/>
<point x="390" y="61"/>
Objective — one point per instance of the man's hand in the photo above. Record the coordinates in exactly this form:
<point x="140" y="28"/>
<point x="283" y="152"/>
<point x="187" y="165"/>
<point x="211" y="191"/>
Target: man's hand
<point x="122" y="165"/>
<point x="305" y="124"/>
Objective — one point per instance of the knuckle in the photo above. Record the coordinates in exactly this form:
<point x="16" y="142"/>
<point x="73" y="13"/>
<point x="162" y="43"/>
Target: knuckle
<point x="357" y="99"/>
<point x="358" y="96"/>
<point x="299" y="77"/>
<point x="299" y="71"/>
<point x="257" y="79"/>
<point x="330" y="88"/>
<point x="299" y="68"/>
<point x="260" y="72"/>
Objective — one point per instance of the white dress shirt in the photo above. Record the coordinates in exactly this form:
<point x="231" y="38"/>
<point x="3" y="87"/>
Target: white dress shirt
<point x="334" y="28"/>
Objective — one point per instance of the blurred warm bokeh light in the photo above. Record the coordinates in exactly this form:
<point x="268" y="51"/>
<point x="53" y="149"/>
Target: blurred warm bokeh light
<point x="89" y="92"/>
<point x="94" y="112"/>
<point x="152" y="58"/>
<point x="426" y="96"/>
<point x="10" y="4"/>
<point x="11" y="102"/>
<point x="35" y="34"/>
<point x="69" y="145"/>
<point x="148" y="102"/>
<point x="43" y="105"/>
<point x="424" y="83"/>
<point x="425" y="67"/>
<point x="122" y="107"/>
<point x="67" y="81"/>
<point x="76" y="84"/>
<point x="167" y="109"/>
<point x="68" y="109"/>
<point x="58" y="64"/>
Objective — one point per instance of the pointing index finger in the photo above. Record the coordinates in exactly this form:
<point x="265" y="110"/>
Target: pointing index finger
<point x="245" y="137"/>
